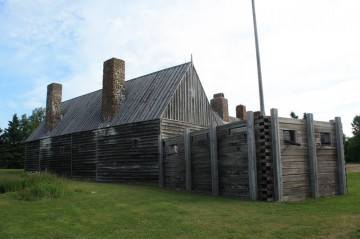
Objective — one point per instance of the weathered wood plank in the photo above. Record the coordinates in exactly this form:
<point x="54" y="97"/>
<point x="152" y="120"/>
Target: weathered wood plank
<point x="278" y="193"/>
<point x="187" y="148"/>
<point x="312" y="156"/>
<point x="214" y="159"/>
<point x="340" y="155"/>
<point x="251" y="155"/>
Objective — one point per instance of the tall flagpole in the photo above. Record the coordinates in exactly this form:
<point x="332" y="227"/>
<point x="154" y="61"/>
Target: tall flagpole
<point x="262" y="108"/>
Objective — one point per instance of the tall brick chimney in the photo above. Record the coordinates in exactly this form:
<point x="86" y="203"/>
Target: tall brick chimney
<point x="219" y="104"/>
<point x="241" y="112"/>
<point x="53" y="105"/>
<point x="113" y="92"/>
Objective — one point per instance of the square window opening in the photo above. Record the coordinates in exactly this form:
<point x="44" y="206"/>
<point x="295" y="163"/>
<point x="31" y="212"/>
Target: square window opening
<point x="325" y="139"/>
<point x="172" y="149"/>
<point x="290" y="137"/>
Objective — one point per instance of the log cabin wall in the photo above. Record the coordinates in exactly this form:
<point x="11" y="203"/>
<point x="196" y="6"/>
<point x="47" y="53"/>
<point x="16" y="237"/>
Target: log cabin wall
<point x="289" y="166"/>
<point x="327" y="161"/>
<point x="83" y="155"/>
<point x="310" y="158"/>
<point x="232" y="158"/>
<point x="295" y="164"/>
<point x="128" y="153"/>
<point x="32" y="151"/>
<point x="122" y="153"/>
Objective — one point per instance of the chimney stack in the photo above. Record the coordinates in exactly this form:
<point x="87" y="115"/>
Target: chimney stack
<point x="219" y="104"/>
<point x="53" y="105"/>
<point x="241" y="112"/>
<point x="113" y="92"/>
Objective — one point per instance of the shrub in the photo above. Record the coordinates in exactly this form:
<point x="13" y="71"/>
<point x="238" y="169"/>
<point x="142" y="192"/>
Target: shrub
<point x="34" y="186"/>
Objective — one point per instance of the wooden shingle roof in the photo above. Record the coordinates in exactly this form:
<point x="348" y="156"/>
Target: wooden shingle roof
<point x="146" y="99"/>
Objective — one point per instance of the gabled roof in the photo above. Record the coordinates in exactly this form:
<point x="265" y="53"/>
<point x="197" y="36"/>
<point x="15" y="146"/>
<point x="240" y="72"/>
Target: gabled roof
<point x="146" y="99"/>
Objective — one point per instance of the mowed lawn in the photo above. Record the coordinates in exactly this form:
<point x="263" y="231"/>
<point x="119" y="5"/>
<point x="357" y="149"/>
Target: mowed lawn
<point x="101" y="210"/>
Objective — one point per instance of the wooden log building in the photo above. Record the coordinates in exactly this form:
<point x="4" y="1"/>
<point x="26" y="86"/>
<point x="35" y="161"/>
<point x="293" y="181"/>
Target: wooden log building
<point x="161" y="129"/>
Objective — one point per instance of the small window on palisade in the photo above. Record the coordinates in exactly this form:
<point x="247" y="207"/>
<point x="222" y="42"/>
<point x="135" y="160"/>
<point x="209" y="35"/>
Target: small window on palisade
<point x="325" y="139"/>
<point x="290" y="137"/>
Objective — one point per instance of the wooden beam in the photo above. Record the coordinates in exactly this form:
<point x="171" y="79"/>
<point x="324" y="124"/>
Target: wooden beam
<point x="340" y="155"/>
<point x="161" y="161"/>
<point x="276" y="153"/>
<point x="187" y="150"/>
<point x="214" y="160"/>
<point x="251" y="155"/>
<point x="312" y="156"/>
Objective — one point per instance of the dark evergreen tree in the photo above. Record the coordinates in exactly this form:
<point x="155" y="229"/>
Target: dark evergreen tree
<point x="12" y="139"/>
<point x="352" y="144"/>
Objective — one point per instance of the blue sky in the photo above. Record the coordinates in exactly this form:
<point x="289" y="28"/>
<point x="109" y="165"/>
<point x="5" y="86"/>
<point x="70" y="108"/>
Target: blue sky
<point x="310" y="52"/>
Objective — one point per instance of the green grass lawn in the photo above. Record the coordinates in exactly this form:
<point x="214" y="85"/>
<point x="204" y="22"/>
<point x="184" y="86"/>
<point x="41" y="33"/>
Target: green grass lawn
<point x="99" y="210"/>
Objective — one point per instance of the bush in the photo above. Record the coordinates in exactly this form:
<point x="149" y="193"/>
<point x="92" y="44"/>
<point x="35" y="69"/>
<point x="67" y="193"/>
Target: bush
<point x="34" y="186"/>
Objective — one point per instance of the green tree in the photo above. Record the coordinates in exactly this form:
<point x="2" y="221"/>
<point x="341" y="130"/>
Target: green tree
<point x="356" y="125"/>
<point x="13" y="146"/>
<point x="12" y="139"/>
<point x="352" y="144"/>
<point x="293" y="115"/>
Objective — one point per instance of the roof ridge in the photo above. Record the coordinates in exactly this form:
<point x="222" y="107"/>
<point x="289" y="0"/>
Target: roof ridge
<point x="156" y="72"/>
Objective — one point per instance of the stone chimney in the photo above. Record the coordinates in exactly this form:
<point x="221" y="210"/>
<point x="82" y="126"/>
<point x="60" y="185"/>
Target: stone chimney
<point x="113" y="92"/>
<point x="53" y="105"/>
<point x="241" y="112"/>
<point x="219" y="104"/>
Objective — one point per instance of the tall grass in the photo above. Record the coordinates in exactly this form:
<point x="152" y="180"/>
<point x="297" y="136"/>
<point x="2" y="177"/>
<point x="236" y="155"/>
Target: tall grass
<point x="33" y="186"/>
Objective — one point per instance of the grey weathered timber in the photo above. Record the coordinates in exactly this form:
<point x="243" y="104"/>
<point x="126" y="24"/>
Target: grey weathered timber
<point x="312" y="156"/>
<point x="251" y="155"/>
<point x="187" y="150"/>
<point x="161" y="162"/>
<point x="340" y="155"/>
<point x="214" y="160"/>
<point x="276" y="155"/>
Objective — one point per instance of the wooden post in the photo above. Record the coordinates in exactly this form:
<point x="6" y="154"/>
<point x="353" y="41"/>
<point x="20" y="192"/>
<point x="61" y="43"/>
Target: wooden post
<point x="251" y="155"/>
<point x="276" y="153"/>
<point x="161" y="161"/>
<point x="187" y="149"/>
<point x="214" y="161"/>
<point x="312" y="156"/>
<point x="340" y="155"/>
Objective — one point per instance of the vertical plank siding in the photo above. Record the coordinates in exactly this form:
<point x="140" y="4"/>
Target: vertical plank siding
<point x="189" y="102"/>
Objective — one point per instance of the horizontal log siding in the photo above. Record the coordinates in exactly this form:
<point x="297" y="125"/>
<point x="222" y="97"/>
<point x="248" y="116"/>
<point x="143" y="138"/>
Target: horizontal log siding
<point x="233" y="160"/>
<point x="128" y="153"/>
<point x="83" y="155"/>
<point x="32" y="162"/>
<point x="174" y="164"/>
<point x="55" y="155"/>
<point x="294" y="161"/>
<point x="200" y="162"/>
<point x="171" y="128"/>
<point x="328" y="177"/>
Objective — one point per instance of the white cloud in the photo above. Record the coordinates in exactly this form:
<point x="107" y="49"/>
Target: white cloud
<point x="309" y="49"/>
